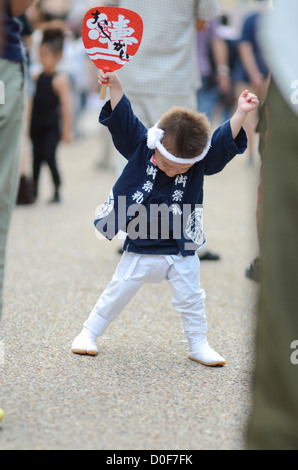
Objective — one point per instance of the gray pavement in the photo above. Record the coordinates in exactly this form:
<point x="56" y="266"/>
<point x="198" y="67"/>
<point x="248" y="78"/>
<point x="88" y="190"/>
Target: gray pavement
<point x="141" y="391"/>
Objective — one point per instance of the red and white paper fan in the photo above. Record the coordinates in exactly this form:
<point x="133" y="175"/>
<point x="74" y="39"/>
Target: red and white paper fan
<point x="111" y="37"/>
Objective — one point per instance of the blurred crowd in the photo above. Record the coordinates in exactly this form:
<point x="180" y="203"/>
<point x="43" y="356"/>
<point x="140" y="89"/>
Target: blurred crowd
<point x="226" y="33"/>
<point x="228" y="60"/>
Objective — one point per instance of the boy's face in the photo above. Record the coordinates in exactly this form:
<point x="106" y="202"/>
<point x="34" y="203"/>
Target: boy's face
<point x="171" y="169"/>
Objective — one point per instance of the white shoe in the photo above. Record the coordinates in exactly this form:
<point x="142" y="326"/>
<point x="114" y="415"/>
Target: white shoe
<point x="85" y="344"/>
<point x="201" y="352"/>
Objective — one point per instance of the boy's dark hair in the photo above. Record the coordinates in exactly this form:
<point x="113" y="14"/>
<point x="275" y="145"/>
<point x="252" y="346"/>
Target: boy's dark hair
<point x="186" y="133"/>
<point x="53" y="38"/>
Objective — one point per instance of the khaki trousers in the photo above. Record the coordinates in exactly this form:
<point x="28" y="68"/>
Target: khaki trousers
<point x="11" y="119"/>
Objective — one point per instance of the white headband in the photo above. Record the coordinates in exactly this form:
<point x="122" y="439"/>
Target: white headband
<point x="154" y="138"/>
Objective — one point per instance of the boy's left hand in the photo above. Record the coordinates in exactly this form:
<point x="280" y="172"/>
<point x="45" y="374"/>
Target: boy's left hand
<point x="248" y="102"/>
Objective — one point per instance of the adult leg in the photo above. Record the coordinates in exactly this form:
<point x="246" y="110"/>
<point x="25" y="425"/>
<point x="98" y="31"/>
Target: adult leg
<point x="11" y="119"/>
<point x="273" y="423"/>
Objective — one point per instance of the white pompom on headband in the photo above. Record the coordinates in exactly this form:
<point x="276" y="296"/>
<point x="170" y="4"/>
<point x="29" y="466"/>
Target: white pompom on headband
<point x="154" y="138"/>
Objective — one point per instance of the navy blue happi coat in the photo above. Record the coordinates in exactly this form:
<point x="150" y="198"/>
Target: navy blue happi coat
<point x="161" y="215"/>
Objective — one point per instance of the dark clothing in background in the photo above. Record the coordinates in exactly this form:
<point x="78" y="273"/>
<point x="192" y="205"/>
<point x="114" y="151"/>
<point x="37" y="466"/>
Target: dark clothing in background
<point x="11" y="47"/>
<point x="45" y="127"/>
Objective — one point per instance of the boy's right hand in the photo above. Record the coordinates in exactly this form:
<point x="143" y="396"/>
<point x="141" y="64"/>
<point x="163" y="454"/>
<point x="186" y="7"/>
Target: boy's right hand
<point x="109" y="78"/>
<point x="114" y="84"/>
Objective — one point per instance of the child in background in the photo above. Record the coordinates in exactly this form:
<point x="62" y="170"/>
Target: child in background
<point x="51" y="116"/>
<point x="165" y="169"/>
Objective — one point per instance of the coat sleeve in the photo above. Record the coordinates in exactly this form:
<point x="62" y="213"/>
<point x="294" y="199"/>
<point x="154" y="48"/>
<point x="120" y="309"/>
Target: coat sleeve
<point x="224" y="148"/>
<point x="126" y="129"/>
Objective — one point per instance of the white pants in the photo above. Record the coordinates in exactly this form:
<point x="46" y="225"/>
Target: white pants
<point x="183" y="273"/>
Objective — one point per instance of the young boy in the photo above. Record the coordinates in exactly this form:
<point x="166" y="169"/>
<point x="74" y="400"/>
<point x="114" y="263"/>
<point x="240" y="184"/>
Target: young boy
<point x="158" y="201"/>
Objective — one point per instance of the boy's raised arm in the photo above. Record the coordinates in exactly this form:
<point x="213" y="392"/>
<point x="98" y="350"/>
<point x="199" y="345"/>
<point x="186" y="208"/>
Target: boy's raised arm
<point x="126" y="129"/>
<point x="114" y="84"/>
<point x="247" y="103"/>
